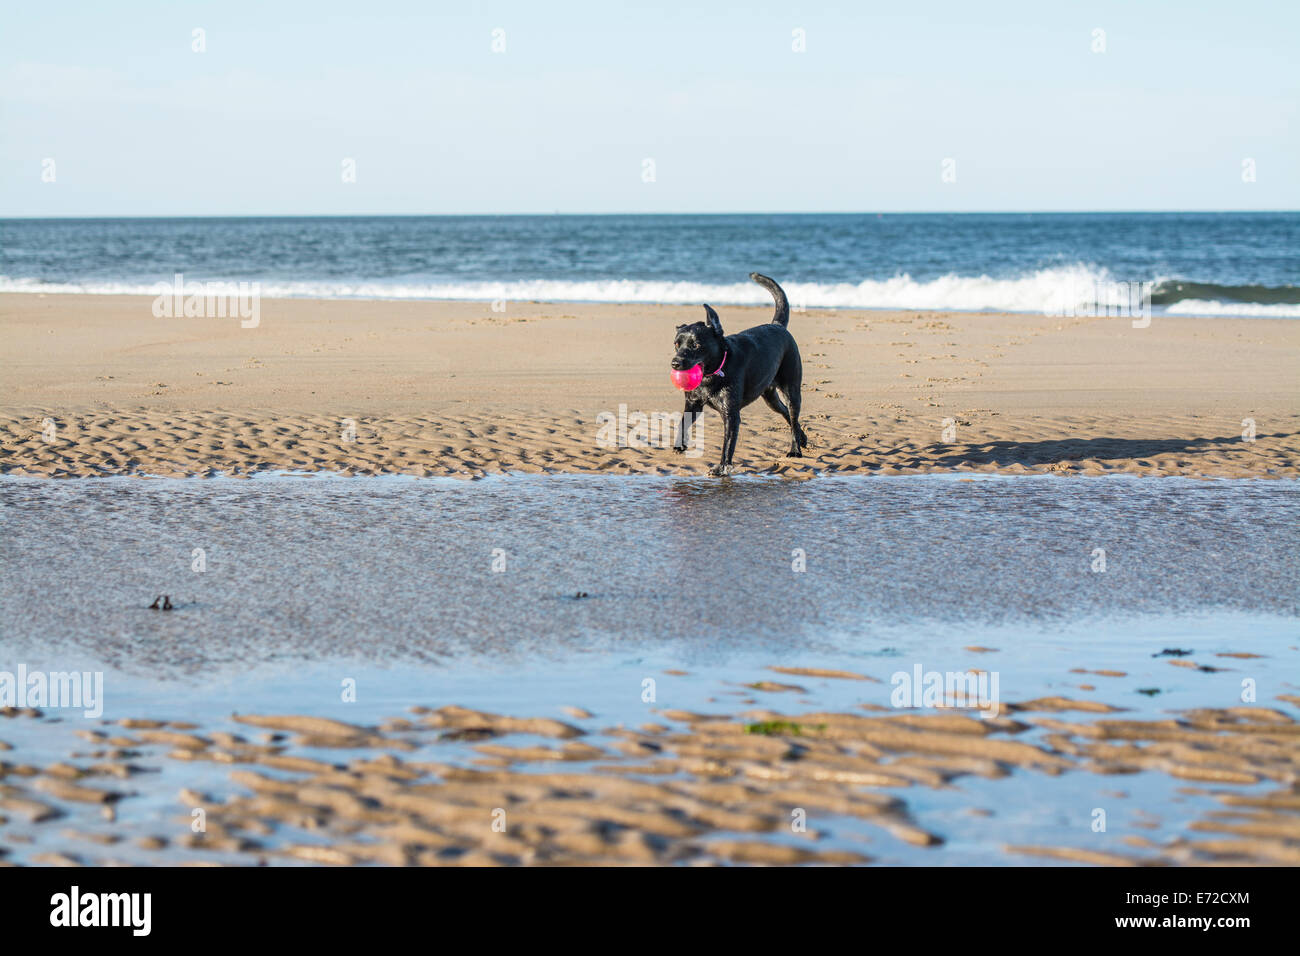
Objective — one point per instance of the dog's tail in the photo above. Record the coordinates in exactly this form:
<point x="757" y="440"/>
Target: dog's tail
<point x="782" y="315"/>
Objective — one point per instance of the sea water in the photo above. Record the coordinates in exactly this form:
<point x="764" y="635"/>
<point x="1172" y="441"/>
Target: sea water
<point x="1192" y="263"/>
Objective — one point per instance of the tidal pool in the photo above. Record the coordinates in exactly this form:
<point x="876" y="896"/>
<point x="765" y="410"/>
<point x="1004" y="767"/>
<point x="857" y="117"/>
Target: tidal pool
<point x="356" y="598"/>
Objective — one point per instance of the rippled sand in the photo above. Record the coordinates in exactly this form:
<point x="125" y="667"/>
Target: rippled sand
<point x="759" y="787"/>
<point x="96" y="385"/>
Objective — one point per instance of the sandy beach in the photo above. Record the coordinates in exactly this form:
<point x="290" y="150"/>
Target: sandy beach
<point x="453" y="388"/>
<point x="1142" y="713"/>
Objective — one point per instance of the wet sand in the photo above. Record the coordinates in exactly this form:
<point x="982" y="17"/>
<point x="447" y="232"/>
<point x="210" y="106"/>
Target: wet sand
<point x="523" y="691"/>
<point x="759" y="787"/>
<point x="452" y="388"/>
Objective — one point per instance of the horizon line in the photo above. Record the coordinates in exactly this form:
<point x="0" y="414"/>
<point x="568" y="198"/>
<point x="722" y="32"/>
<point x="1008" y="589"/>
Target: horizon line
<point x="557" y="213"/>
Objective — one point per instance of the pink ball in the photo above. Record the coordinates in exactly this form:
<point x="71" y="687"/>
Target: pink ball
<point x="688" y="379"/>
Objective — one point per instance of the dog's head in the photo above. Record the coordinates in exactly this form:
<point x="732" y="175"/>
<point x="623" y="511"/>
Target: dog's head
<point x="699" y="343"/>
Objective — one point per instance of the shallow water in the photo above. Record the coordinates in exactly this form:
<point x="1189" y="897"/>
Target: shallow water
<point x="402" y="571"/>
<point x="309" y="582"/>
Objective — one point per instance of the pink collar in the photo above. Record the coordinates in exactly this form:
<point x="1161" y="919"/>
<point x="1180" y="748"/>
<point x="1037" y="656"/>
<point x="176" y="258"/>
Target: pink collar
<point x="718" y="370"/>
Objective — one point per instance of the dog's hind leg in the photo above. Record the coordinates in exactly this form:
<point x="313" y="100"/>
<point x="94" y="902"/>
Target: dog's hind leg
<point x="798" y="435"/>
<point x="774" y="402"/>
<point x="789" y="381"/>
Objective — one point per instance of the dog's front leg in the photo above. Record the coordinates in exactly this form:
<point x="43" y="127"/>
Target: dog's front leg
<point x="688" y="421"/>
<point x="730" y="432"/>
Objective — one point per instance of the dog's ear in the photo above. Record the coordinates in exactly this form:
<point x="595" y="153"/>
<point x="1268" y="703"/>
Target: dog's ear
<point x="711" y="318"/>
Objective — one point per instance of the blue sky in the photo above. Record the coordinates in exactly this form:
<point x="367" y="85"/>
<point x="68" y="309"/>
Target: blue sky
<point x="137" y="123"/>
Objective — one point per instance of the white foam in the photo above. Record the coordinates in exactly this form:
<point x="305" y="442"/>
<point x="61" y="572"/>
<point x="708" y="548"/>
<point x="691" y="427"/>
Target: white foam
<point x="1269" y="310"/>
<point x="1050" y="291"/>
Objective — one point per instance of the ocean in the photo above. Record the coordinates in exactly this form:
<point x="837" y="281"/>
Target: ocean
<point x="1237" y="264"/>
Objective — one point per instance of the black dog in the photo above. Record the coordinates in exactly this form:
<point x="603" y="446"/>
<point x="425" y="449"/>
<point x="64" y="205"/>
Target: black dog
<point x="762" y="361"/>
